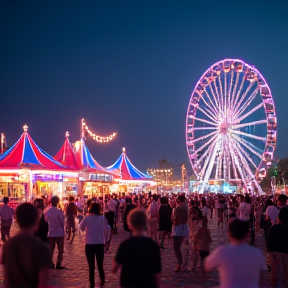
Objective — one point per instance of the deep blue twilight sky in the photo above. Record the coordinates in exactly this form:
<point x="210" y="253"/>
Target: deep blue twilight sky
<point x="129" y="67"/>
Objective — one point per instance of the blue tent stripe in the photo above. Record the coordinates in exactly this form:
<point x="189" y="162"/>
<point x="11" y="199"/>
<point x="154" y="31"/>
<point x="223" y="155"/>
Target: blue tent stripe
<point x="116" y="165"/>
<point x="134" y="171"/>
<point x="89" y="158"/>
<point x="28" y="154"/>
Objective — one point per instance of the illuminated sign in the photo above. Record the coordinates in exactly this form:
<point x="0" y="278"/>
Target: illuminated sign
<point x="48" y="177"/>
<point x="100" y="177"/>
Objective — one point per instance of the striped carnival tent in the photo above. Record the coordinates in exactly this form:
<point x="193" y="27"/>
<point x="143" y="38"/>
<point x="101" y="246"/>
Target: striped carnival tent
<point x="85" y="160"/>
<point x="127" y="169"/>
<point x="25" y="153"/>
<point x="66" y="155"/>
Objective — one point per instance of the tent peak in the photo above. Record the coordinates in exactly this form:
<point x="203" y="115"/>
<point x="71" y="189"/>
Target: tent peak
<point x="67" y="134"/>
<point x="25" y="128"/>
<point x="123" y="149"/>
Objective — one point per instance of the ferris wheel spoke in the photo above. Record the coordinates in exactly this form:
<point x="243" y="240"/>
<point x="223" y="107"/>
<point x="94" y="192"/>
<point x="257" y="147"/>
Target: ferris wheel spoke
<point x="211" y="116"/>
<point x="246" y="104"/>
<point x="249" y="124"/>
<point x="214" y="97"/>
<point x="233" y="162"/>
<point x="203" y="137"/>
<point x="230" y="89"/>
<point x="211" y="161"/>
<point x="218" y="97"/>
<point x="238" y="104"/>
<point x="249" y="112"/>
<point x="246" y="155"/>
<point x="210" y="100"/>
<point x="204" y="128"/>
<point x="204" y="146"/>
<point x="221" y="94"/>
<point x="248" y="145"/>
<point x="234" y="90"/>
<point x="245" y="164"/>
<point x="225" y="92"/>
<point x="212" y="109"/>
<point x="238" y="93"/>
<point x="239" y="166"/>
<point x="249" y="135"/>
<point x="206" y="162"/>
<point x="225" y="159"/>
<point x="201" y="159"/>
<point x="219" y="161"/>
<point x="203" y="120"/>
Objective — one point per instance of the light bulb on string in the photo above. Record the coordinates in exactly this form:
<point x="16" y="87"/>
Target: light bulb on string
<point x="96" y="137"/>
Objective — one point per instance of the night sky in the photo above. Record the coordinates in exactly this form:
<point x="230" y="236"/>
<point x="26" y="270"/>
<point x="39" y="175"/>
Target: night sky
<point x="129" y="67"/>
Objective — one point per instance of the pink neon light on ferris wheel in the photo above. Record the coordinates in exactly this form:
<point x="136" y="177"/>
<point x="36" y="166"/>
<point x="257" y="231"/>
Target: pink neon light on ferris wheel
<point x="231" y="124"/>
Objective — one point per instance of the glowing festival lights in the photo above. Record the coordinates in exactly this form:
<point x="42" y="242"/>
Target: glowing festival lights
<point x="97" y="138"/>
<point x="231" y="125"/>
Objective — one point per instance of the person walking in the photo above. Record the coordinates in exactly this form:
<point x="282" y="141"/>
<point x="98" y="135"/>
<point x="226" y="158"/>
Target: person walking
<point x="164" y="218"/>
<point x="203" y="240"/>
<point x="97" y="235"/>
<point x="42" y="231"/>
<point x="238" y="263"/>
<point x="71" y="214"/>
<point x="128" y="207"/>
<point x="138" y="256"/>
<point x="179" y="229"/>
<point x="6" y="215"/>
<point x="55" y="219"/>
<point x="153" y="217"/>
<point x="277" y="240"/>
<point x="26" y="259"/>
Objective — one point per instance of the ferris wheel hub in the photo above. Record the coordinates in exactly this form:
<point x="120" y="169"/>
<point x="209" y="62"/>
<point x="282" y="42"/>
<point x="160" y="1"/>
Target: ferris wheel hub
<point x="224" y="127"/>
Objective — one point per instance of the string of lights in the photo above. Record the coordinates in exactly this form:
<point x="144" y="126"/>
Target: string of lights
<point x="94" y="136"/>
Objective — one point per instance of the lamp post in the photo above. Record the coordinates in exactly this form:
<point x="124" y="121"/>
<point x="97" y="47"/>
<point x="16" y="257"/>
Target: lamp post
<point x="284" y="185"/>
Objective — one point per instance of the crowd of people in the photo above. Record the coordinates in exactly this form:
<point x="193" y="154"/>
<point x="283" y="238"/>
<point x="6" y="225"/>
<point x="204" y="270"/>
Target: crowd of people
<point x="150" y="221"/>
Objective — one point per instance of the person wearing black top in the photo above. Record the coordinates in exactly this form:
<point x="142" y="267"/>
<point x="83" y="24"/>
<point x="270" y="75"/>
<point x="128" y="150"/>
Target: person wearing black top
<point x="138" y="256"/>
<point x="277" y="239"/>
<point x="164" y="217"/>
<point x="129" y="206"/>
<point x="42" y="230"/>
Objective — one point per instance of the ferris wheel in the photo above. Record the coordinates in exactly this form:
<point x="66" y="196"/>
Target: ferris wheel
<point x="231" y="125"/>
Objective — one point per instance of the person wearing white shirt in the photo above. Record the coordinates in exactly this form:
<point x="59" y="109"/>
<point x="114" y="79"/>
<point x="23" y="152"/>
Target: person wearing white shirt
<point x="97" y="235"/>
<point x="272" y="212"/>
<point x="239" y="264"/>
<point x="55" y="219"/>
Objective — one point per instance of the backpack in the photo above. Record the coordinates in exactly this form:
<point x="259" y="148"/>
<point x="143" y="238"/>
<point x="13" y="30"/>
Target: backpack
<point x="197" y="213"/>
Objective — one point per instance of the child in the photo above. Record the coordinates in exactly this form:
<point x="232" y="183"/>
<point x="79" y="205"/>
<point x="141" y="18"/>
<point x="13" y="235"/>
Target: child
<point x="138" y="257"/>
<point x="203" y="239"/>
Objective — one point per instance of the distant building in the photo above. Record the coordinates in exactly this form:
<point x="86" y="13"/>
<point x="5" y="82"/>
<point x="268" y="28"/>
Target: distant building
<point x="165" y="178"/>
<point x="162" y="174"/>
